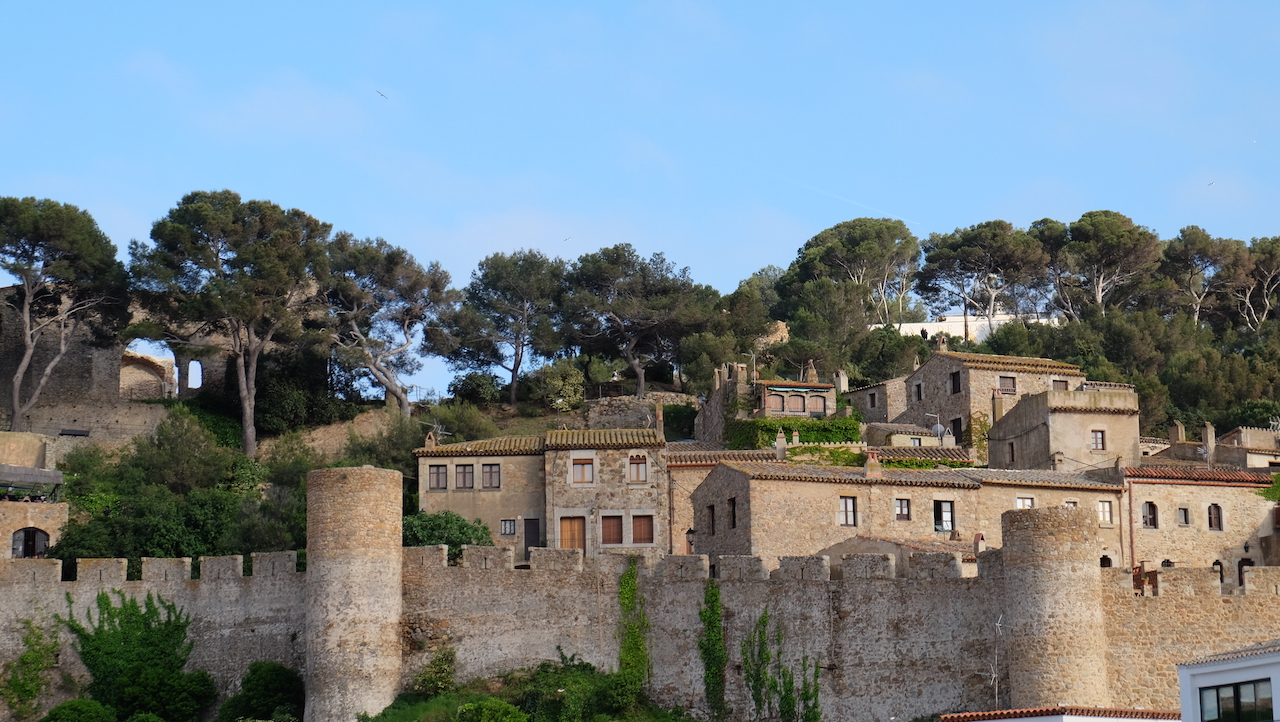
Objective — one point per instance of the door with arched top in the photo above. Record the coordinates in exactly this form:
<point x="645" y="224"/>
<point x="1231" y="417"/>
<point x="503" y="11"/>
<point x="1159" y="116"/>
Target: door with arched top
<point x="30" y="543"/>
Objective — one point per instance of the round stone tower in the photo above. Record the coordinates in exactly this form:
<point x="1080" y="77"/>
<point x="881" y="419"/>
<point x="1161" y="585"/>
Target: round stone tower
<point x="353" y="592"/>
<point x="1056" y="647"/>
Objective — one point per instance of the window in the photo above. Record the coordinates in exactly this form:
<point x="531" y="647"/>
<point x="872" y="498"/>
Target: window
<point x="1242" y="702"/>
<point x="1105" y="562"/>
<point x="1167" y="564"/>
<point x="1011" y="457"/>
<point x="642" y="529"/>
<point x="573" y="532"/>
<point x="1009" y="384"/>
<point x="438" y="477"/>
<point x="1215" y="517"/>
<point x="944" y="515"/>
<point x="507" y="527"/>
<point x="1150" y="516"/>
<point x="1059" y="385"/>
<point x="1217" y="567"/>
<point x="611" y="530"/>
<point x="915" y="441"/>
<point x="919" y="392"/>
<point x="639" y="468"/>
<point x="733" y="512"/>
<point x="1184" y="516"/>
<point x="848" y="511"/>
<point x="1098" y="440"/>
<point x="871" y="401"/>
<point x="464" y="477"/>
<point x="957" y="428"/>
<point x="795" y="403"/>
<point x="711" y="520"/>
<point x="1024" y="502"/>
<point x="1104" y="512"/>
<point x="776" y="402"/>
<point x="955" y="382"/>
<point x="584" y="471"/>
<point x="902" y="509"/>
<point x="491" y="476"/>
<point x="1070" y="504"/>
<point x="30" y="543"/>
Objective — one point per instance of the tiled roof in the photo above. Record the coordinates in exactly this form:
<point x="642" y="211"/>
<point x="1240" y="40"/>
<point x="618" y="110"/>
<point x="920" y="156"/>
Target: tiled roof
<point x="500" y="446"/>
<point x="993" y="362"/>
<point x="786" y="383"/>
<point x="692" y="446"/>
<point x="902" y="429"/>
<point x="897" y="380"/>
<point x="950" y="453"/>
<point x="603" y="438"/>
<point x="1268" y="647"/>
<point x="1099" y="712"/>
<point x="1178" y="473"/>
<point x="850" y="475"/>
<point x="929" y="545"/>
<point x="1152" y="440"/>
<point x="711" y="458"/>
<point x="1037" y="477"/>
<point x="28" y="475"/>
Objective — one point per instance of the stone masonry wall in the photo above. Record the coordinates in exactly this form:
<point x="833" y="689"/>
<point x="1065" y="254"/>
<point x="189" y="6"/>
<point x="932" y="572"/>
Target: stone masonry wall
<point x="15" y="515"/>
<point x="628" y="412"/>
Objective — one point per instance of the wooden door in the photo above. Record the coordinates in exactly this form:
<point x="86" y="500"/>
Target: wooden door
<point x="532" y="536"/>
<point x="573" y="533"/>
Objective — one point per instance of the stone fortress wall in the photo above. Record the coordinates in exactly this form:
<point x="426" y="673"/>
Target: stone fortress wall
<point x="892" y="643"/>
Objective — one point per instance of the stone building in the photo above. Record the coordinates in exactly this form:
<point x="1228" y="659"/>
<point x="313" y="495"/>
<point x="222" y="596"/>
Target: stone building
<point x="882" y="434"/>
<point x="1085" y="428"/>
<point x="882" y="402"/>
<point x="30" y="528"/>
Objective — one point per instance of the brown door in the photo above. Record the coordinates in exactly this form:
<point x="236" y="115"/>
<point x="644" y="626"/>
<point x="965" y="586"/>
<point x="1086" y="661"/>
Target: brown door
<point x="573" y="533"/>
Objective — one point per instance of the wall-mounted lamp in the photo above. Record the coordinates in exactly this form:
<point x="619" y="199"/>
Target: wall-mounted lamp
<point x="688" y="537"/>
<point x="1246" y="547"/>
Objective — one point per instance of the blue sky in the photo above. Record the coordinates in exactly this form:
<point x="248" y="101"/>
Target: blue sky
<point x="722" y="134"/>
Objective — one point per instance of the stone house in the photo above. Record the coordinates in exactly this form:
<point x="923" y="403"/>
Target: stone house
<point x="1160" y="516"/>
<point x="30" y="527"/>
<point x="882" y="402"/>
<point x="1231" y="685"/>
<point x="1089" y="427"/>
<point x="882" y="434"/>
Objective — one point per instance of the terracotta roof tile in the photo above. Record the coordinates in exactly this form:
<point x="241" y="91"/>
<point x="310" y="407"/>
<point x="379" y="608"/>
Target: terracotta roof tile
<point x="1152" y="440"/>
<point x="1268" y="647"/>
<point x="500" y="446"/>
<point x="902" y="428"/>
<point x="1038" y="477"/>
<point x="711" y="458"/>
<point x="897" y="380"/>
<point x="603" y="439"/>
<point x="850" y="475"/>
<point x="788" y="384"/>
<point x="692" y="446"/>
<point x="1179" y="473"/>
<point x="1013" y="363"/>
<point x="1074" y="711"/>
<point x="940" y="453"/>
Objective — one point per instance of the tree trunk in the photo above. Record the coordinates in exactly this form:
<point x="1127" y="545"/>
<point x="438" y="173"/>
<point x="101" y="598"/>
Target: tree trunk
<point x="249" y="432"/>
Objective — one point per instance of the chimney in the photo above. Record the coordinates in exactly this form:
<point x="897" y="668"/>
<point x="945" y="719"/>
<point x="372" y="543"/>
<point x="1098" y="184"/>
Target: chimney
<point x="430" y="441"/>
<point x="979" y="544"/>
<point x="657" y="409"/>
<point x="795" y="437"/>
<point x="842" y="381"/>
<point x="915" y="363"/>
<point x="873" y="468"/>
<point x="1177" y="432"/>
<point x="780" y="446"/>
<point x="942" y="344"/>
<point x="1059" y="462"/>
<point x="810" y="373"/>
<point x="1210" y="440"/>
<point x="997" y="406"/>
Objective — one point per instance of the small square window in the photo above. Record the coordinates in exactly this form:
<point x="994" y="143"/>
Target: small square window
<point x="1184" y="516"/>
<point x="871" y="401"/>
<point x="1070" y="504"/>
<point x="464" y="476"/>
<point x="1098" y="440"/>
<point x="491" y="476"/>
<point x="902" y="509"/>
<point x="642" y="529"/>
<point x="438" y="477"/>
<point x="1104" y="512"/>
<point x="733" y="512"/>
<point x="1008" y="384"/>
<point x="919" y="392"/>
<point x="1059" y="385"/>
<point x="944" y="515"/>
<point x="584" y="471"/>
<point x="915" y="441"/>
<point x="1025" y="502"/>
<point x="611" y="530"/>
<point x="848" y="511"/>
<point x="508" y="527"/>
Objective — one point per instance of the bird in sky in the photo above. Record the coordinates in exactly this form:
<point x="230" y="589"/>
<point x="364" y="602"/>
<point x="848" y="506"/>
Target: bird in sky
<point x="384" y="95"/>
<point x="567" y="239"/>
<point x="1213" y="182"/>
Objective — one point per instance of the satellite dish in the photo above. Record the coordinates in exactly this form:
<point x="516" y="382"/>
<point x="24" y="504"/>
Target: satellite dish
<point x="939" y="430"/>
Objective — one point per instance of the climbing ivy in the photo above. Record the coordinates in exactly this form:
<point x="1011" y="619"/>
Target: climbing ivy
<point x="773" y="687"/>
<point x="633" y="650"/>
<point x="25" y="679"/>
<point x="711" y="645"/>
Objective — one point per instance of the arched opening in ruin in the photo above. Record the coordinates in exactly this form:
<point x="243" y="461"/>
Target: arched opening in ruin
<point x="195" y="375"/>
<point x="30" y="543"/>
<point x="1105" y="562"/>
<point x="1217" y="567"/>
<point x="147" y="371"/>
<point x="1166" y="563"/>
<point x="1243" y="565"/>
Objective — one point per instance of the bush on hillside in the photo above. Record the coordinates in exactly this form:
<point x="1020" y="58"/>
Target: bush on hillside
<point x="760" y="433"/>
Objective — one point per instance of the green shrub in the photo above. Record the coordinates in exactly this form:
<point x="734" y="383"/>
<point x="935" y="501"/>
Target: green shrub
<point x="558" y="385"/>
<point x="80" y="710"/>
<point x="445" y="527"/>
<point x="25" y="680"/>
<point x="135" y="654"/>
<point x="490" y="709"/>
<point x="760" y="433"/>
<point x="436" y="677"/>
<point x="677" y="421"/>
<point x="268" y="688"/>
<point x="476" y="388"/>
<point x="464" y="422"/>
<point x="145" y="717"/>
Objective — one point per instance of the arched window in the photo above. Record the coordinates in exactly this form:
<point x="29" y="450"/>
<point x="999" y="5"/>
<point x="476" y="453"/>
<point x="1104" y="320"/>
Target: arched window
<point x="1106" y="562"/>
<point x="1217" y="567"/>
<point x="195" y="375"/>
<point x="30" y="543"/>
<point x="776" y="402"/>
<point x="1244" y="564"/>
<point x="1215" y="517"/>
<point x="795" y="403"/>
<point x="1150" y="516"/>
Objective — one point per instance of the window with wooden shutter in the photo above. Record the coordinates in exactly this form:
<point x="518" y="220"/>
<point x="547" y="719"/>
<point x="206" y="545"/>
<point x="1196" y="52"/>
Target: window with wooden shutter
<point x="573" y="532"/>
<point x="642" y="529"/>
<point x="639" y="472"/>
<point x="584" y="471"/>
<point x="611" y="530"/>
<point x="1215" y="517"/>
